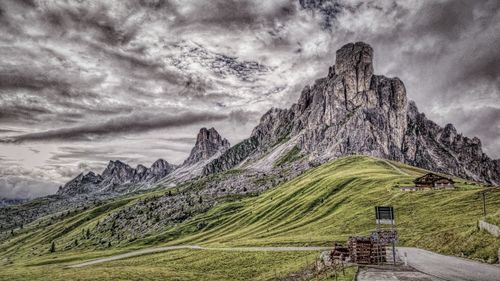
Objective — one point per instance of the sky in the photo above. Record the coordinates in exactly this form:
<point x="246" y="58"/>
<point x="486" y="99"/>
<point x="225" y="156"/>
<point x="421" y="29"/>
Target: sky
<point x="85" y="82"/>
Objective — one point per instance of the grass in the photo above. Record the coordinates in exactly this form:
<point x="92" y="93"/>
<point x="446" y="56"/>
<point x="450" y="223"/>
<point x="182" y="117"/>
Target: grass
<point x="337" y="200"/>
<point x="347" y="275"/>
<point x="494" y="218"/>
<point x="174" y="265"/>
<point x="326" y="204"/>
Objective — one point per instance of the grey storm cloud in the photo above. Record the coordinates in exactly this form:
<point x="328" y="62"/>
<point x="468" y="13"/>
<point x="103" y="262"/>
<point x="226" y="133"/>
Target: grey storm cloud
<point x="84" y="81"/>
<point x="234" y="14"/>
<point x="14" y="187"/>
<point x="24" y="79"/>
<point x="134" y="123"/>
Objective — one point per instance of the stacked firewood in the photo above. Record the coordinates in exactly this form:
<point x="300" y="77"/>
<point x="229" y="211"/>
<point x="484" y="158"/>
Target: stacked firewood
<point x="340" y="252"/>
<point x="365" y="250"/>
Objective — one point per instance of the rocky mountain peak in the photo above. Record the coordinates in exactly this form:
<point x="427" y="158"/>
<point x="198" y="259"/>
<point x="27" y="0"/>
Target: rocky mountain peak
<point x="208" y="143"/>
<point x="354" y="111"/>
<point x="83" y="183"/>
<point x="160" y="164"/>
<point x="92" y="177"/>
<point x="354" y="62"/>
<point x="117" y="174"/>
<point x="158" y="170"/>
<point x="118" y="170"/>
<point x="141" y="168"/>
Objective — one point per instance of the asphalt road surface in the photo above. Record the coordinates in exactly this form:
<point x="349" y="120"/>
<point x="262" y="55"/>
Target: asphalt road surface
<point x="428" y="265"/>
<point x="449" y="268"/>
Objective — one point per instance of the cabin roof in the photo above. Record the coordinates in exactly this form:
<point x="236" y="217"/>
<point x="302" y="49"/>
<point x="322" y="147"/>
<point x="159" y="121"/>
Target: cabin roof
<point x="431" y="178"/>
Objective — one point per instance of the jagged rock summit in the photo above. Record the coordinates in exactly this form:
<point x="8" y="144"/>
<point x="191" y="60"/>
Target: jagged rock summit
<point x="119" y="177"/>
<point x="116" y="178"/>
<point x="354" y="111"/>
<point x="208" y="143"/>
<point x="209" y="146"/>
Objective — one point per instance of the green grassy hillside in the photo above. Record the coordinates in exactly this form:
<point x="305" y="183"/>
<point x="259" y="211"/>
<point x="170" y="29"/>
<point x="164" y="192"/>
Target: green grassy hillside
<point x="337" y="200"/>
<point x="326" y="204"/>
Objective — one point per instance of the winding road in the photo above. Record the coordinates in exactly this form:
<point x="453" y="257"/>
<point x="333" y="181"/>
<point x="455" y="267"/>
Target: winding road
<point x="194" y="247"/>
<point x="432" y="265"/>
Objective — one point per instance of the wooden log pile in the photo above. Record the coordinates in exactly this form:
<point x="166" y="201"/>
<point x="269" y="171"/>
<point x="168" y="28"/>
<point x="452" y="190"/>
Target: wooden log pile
<point x="365" y="250"/>
<point x="340" y="252"/>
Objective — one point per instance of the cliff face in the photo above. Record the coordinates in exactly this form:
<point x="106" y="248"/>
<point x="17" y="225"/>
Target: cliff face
<point x="354" y="111"/>
<point x="208" y="143"/>
<point x="444" y="150"/>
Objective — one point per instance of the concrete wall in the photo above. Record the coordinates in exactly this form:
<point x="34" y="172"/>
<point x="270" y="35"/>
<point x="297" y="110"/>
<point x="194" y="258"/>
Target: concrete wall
<point x="491" y="228"/>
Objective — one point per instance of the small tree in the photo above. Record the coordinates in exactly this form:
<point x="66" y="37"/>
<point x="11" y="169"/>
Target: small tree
<point x="88" y="233"/>
<point x="200" y="200"/>
<point x="52" y="247"/>
<point x="76" y="242"/>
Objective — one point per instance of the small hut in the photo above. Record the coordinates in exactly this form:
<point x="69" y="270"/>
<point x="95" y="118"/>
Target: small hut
<point x="433" y="181"/>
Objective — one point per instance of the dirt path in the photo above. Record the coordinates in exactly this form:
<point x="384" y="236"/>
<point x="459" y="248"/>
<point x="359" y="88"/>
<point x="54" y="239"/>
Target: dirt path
<point x="396" y="168"/>
<point x="194" y="247"/>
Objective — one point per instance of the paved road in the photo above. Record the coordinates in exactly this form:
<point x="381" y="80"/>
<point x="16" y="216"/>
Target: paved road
<point x="449" y="268"/>
<point x="432" y="266"/>
<point x="194" y="247"/>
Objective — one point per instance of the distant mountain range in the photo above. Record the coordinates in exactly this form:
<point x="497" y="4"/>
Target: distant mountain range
<point x="119" y="177"/>
<point x="350" y="111"/>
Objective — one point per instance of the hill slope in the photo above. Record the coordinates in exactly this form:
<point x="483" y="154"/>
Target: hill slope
<point x="337" y="199"/>
<point x="326" y="204"/>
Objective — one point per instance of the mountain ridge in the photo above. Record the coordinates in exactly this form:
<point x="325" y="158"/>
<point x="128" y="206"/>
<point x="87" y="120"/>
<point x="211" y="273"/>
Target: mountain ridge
<point x="350" y="111"/>
<point x="120" y="177"/>
<point x="353" y="111"/>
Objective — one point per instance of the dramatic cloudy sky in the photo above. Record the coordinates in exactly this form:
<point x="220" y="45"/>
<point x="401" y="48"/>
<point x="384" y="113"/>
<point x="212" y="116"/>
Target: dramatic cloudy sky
<point x="83" y="82"/>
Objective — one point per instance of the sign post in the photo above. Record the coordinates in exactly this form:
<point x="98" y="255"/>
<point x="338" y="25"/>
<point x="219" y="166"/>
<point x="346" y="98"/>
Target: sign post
<point x="385" y="215"/>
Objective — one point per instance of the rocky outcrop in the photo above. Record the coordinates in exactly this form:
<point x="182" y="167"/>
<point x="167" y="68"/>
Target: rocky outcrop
<point x="208" y="143"/>
<point x="119" y="177"/>
<point x="117" y="174"/>
<point x="233" y="156"/>
<point x="81" y="184"/>
<point x="444" y="150"/>
<point x="208" y="147"/>
<point x="354" y="111"/>
<point x="158" y="170"/>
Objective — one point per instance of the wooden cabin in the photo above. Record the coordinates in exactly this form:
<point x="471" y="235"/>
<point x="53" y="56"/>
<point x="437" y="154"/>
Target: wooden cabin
<point x="433" y="181"/>
<point x="430" y="181"/>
